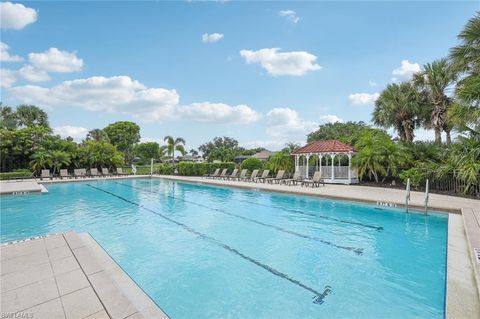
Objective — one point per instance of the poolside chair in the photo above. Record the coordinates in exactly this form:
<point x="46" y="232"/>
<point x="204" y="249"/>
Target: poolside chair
<point x="292" y="181"/>
<point x="120" y="172"/>
<point x="243" y="174"/>
<point x="94" y="172"/>
<point x="251" y="177"/>
<point x="316" y="180"/>
<point x="64" y="173"/>
<point x="233" y="175"/>
<point x="261" y="178"/>
<point x="223" y="174"/>
<point x="276" y="179"/>
<point x="79" y="172"/>
<point x="215" y="174"/>
<point x="45" y="174"/>
<point x="105" y="172"/>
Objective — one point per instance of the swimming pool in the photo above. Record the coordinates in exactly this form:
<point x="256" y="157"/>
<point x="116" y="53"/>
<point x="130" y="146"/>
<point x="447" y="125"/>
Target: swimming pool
<point x="215" y="252"/>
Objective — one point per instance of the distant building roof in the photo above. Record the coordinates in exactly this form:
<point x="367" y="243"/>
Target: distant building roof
<point x="263" y="155"/>
<point x="329" y="146"/>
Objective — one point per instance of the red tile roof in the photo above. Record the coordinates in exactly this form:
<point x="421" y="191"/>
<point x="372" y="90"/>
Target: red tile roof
<point x="329" y="146"/>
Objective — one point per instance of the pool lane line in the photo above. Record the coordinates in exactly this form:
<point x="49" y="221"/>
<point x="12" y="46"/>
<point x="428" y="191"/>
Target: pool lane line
<point x="358" y="251"/>
<point x="319" y="297"/>
<point x="377" y="228"/>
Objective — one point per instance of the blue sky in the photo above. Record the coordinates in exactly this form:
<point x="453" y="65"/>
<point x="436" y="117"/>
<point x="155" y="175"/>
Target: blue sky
<point x="264" y="73"/>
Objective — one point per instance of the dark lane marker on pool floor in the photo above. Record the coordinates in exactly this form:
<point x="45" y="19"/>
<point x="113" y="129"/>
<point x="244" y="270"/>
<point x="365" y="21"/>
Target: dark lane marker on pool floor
<point x="319" y="297"/>
<point x="296" y="211"/>
<point x="358" y="251"/>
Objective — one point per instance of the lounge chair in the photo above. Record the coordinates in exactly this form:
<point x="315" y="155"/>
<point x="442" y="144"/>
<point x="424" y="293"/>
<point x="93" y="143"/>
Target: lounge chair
<point x="94" y="173"/>
<point x="79" y="172"/>
<point x="276" y="179"/>
<point x="261" y="178"/>
<point x="215" y="174"/>
<point x="45" y="174"/>
<point x="316" y="180"/>
<point x="243" y="174"/>
<point x="64" y="173"/>
<point x="223" y="174"/>
<point x="292" y="181"/>
<point x="234" y="174"/>
<point x="120" y="172"/>
<point x="105" y="172"/>
<point x="251" y="177"/>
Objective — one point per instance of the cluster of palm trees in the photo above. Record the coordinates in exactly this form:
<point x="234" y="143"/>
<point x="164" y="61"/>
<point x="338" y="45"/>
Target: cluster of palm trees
<point x="444" y="95"/>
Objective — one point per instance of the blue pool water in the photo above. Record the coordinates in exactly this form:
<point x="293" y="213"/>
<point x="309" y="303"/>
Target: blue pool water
<point x="211" y="252"/>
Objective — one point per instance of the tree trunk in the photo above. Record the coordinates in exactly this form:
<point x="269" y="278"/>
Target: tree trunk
<point x="449" y="137"/>
<point x="438" y="135"/>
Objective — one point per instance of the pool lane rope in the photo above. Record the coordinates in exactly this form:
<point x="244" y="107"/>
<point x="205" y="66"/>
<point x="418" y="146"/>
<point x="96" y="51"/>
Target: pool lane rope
<point x="358" y="251"/>
<point x="296" y="211"/>
<point x="318" y="298"/>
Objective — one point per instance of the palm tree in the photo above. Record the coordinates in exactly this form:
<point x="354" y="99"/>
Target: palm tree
<point x="177" y="144"/>
<point x="434" y="81"/>
<point x="40" y="160"/>
<point x="399" y="106"/>
<point x="465" y="59"/>
<point x="59" y="159"/>
<point x="31" y="115"/>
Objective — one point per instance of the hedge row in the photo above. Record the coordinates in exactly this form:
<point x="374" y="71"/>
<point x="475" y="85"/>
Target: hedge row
<point x="199" y="169"/>
<point x="22" y="173"/>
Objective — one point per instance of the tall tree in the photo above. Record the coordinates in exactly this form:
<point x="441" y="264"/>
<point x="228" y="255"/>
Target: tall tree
<point x="97" y="135"/>
<point x="174" y="144"/>
<point x="31" y="115"/>
<point x="147" y="150"/>
<point x="8" y="119"/>
<point x="434" y="81"/>
<point x="399" y="107"/>
<point x="343" y="132"/>
<point x="466" y="59"/>
<point x="124" y="135"/>
<point x="218" y="143"/>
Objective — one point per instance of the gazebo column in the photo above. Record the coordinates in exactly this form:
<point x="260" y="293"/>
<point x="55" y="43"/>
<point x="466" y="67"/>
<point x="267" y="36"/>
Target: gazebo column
<point x="349" y="166"/>
<point x="333" y="166"/>
<point x="320" y="163"/>
<point x="296" y="163"/>
<point x="307" y="158"/>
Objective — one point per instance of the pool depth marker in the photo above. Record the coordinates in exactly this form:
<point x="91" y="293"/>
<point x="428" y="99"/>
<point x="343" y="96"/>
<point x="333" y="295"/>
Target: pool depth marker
<point x="319" y="297"/>
<point x="358" y="251"/>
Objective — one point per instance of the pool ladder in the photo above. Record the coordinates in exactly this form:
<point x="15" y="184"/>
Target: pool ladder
<point x="407" y="195"/>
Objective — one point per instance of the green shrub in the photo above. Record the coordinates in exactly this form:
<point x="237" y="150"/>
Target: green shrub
<point x="251" y="164"/>
<point x="199" y="169"/>
<point x="417" y="176"/>
<point x="22" y="173"/>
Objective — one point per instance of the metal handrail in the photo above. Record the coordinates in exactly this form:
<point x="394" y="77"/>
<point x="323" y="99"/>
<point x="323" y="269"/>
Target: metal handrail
<point x="407" y="194"/>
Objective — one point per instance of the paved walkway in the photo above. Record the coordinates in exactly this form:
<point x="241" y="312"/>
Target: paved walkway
<point x="68" y="276"/>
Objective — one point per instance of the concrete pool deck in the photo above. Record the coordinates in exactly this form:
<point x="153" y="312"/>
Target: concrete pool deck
<point x="68" y="276"/>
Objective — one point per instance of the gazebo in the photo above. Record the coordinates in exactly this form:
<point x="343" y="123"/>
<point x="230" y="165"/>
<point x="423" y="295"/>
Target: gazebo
<point x="321" y="156"/>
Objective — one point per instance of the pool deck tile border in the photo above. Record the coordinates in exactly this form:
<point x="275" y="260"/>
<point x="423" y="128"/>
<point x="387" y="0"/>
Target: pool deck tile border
<point x="68" y="276"/>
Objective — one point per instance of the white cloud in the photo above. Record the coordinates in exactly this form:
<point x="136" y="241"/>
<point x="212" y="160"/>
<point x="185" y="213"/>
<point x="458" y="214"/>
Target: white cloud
<point x="33" y="74"/>
<point x="405" y="71"/>
<point x="121" y="94"/>
<point x="282" y="63"/>
<point x="363" y="98"/>
<point x="218" y="113"/>
<point x="372" y="83"/>
<point x="7" y="78"/>
<point x="211" y="38"/>
<point x="5" y="56"/>
<point x="16" y="16"/>
<point x="330" y="119"/>
<point x="285" y="123"/>
<point x="76" y="132"/>
<point x="54" y="60"/>
<point x="290" y="15"/>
